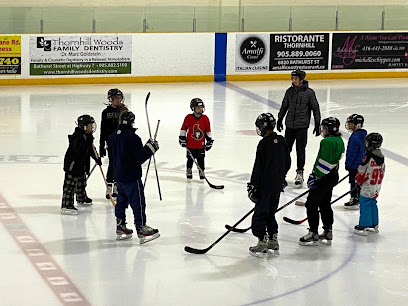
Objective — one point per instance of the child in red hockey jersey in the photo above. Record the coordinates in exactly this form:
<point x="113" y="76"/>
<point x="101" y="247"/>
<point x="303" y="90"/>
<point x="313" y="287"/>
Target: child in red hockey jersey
<point x="195" y="135"/>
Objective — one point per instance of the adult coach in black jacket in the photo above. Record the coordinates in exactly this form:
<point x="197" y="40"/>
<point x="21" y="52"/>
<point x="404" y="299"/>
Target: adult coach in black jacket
<point x="297" y="105"/>
<point x="268" y="175"/>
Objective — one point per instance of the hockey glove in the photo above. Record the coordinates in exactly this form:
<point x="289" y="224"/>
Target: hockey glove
<point x="183" y="141"/>
<point x="312" y="181"/>
<point x="209" y="144"/>
<point x="102" y="151"/>
<point x="253" y="193"/>
<point x="279" y="124"/>
<point x="152" y="145"/>
<point x="317" y="130"/>
<point x="348" y="168"/>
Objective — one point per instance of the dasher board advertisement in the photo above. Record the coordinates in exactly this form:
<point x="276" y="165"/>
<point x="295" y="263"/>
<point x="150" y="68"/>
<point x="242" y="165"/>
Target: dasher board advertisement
<point x="10" y="54"/>
<point x="80" y="54"/>
<point x="252" y="52"/>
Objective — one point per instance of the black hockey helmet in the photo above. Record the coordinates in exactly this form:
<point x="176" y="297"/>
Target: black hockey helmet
<point x="264" y="122"/>
<point x="331" y="125"/>
<point x="112" y="93"/>
<point x="127" y="117"/>
<point x="299" y="73"/>
<point x="196" y="102"/>
<point x="356" y="119"/>
<point x="373" y="141"/>
<point x="83" y="122"/>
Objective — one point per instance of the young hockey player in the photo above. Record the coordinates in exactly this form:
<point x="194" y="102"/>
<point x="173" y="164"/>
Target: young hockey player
<point x="76" y="165"/>
<point x="272" y="162"/>
<point x="321" y="182"/>
<point x="127" y="155"/>
<point x="195" y="134"/>
<point x="354" y="155"/>
<point x="109" y="123"/>
<point x="298" y="103"/>
<point x="369" y="178"/>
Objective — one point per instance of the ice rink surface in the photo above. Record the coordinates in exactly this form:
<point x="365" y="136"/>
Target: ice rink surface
<point x="47" y="258"/>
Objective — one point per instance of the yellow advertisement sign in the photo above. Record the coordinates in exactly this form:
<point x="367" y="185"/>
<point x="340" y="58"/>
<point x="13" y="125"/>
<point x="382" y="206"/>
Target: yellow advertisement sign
<point x="10" y="54"/>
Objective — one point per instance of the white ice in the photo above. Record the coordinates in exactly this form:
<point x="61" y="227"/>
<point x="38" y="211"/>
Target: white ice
<point x="354" y="270"/>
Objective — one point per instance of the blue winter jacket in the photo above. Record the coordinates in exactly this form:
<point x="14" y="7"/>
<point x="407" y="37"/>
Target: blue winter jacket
<point x="356" y="148"/>
<point x="127" y="154"/>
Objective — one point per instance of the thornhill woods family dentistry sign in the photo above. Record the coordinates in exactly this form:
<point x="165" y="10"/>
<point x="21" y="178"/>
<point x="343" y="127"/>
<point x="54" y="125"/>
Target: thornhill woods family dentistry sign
<point x="80" y="55"/>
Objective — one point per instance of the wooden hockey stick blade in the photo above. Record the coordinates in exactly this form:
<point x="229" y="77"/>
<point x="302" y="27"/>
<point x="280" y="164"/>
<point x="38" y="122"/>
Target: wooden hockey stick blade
<point x="237" y="230"/>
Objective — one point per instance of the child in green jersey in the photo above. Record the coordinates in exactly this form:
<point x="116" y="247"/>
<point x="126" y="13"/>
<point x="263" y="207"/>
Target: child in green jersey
<point x="321" y="182"/>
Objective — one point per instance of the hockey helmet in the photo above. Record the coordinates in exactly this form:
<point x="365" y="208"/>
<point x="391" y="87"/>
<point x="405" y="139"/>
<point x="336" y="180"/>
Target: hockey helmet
<point x="331" y="125"/>
<point x="83" y="122"/>
<point x="112" y="93"/>
<point x="356" y="119"/>
<point x="264" y="122"/>
<point x="373" y="141"/>
<point x="196" y="102"/>
<point x="127" y="117"/>
<point x="299" y="73"/>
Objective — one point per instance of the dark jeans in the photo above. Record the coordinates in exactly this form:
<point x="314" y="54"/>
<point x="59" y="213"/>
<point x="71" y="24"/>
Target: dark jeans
<point x="320" y="198"/>
<point x="263" y="219"/>
<point x="199" y="155"/>
<point x="352" y="176"/>
<point x="300" y="135"/>
<point x="131" y="193"/>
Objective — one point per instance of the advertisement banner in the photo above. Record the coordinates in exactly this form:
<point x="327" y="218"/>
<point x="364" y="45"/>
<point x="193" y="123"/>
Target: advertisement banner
<point x="10" y="54"/>
<point x="80" y="54"/>
<point x="370" y="51"/>
<point x="252" y="52"/>
<point x="299" y="51"/>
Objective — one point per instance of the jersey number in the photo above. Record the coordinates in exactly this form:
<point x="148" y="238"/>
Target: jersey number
<point x="376" y="177"/>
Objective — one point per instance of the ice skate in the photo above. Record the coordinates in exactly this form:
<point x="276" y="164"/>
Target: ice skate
<point x="114" y="191"/>
<point x="326" y="237"/>
<point x="121" y="231"/>
<point x="69" y="210"/>
<point x="146" y="234"/>
<point x="353" y="204"/>
<point x="189" y="173"/>
<point x="202" y="175"/>
<point x="311" y="239"/>
<point x="373" y="229"/>
<point x="109" y="190"/>
<point x="261" y="249"/>
<point x="284" y="185"/>
<point x="86" y="201"/>
<point x="299" y="179"/>
<point x="360" y="230"/>
<point x="273" y="245"/>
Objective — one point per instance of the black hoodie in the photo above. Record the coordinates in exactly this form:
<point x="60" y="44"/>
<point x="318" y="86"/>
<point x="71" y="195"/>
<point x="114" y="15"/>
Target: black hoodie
<point x="76" y="160"/>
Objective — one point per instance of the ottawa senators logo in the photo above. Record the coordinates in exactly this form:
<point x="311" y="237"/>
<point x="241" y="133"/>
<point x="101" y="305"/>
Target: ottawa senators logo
<point x="197" y="133"/>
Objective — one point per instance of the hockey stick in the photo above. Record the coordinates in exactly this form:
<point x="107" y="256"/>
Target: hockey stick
<point x="303" y="220"/>
<point x="104" y="179"/>
<point x="199" y="168"/>
<point x="243" y="230"/>
<point x="150" y="134"/>
<point x="90" y="172"/>
<point x="150" y="159"/>
<point x="203" y="251"/>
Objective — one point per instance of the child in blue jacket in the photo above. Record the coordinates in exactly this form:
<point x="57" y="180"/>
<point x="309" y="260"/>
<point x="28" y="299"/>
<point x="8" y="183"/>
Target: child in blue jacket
<point x="354" y="155"/>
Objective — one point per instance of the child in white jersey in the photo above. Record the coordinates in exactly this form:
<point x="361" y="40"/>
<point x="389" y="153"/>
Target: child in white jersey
<point x="369" y="178"/>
